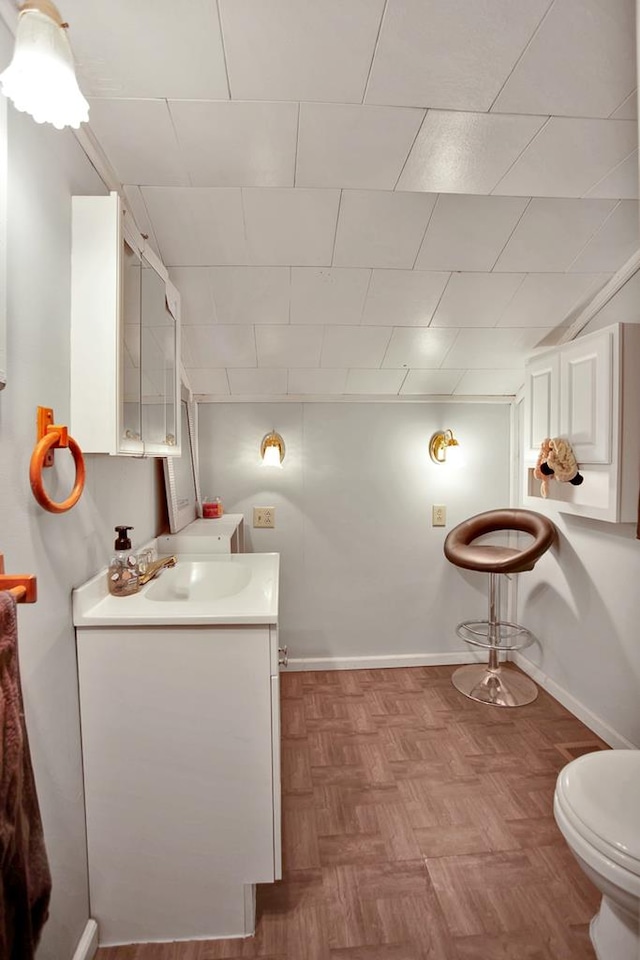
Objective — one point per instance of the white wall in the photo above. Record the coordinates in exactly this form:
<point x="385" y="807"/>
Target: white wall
<point x="363" y="573"/>
<point x="45" y="168"/>
<point x="583" y="604"/>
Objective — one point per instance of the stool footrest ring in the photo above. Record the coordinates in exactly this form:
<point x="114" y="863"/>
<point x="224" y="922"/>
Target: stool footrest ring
<point x="510" y="636"/>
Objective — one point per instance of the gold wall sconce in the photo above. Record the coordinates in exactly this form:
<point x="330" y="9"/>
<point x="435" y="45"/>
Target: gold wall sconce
<point x="443" y="445"/>
<point x="272" y="449"/>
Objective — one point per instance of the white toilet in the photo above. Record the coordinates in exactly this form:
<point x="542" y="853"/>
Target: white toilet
<point x="597" y="808"/>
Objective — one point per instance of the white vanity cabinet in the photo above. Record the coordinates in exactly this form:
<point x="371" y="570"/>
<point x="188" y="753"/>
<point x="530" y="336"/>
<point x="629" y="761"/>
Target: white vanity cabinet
<point x="125" y="336"/>
<point x="587" y="391"/>
<point x="180" y="740"/>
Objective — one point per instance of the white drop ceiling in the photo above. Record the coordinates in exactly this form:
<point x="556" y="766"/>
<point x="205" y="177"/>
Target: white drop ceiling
<point x="372" y="197"/>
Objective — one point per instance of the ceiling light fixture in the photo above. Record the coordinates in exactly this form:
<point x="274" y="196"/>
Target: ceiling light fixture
<point x="41" y="78"/>
<point x="272" y="449"/>
<point x="443" y="445"/>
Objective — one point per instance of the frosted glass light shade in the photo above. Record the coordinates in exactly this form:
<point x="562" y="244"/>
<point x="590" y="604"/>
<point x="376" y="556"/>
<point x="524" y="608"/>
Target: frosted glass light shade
<point x="41" y="79"/>
<point x="454" y="455"/>
<point x="272" y="450"/>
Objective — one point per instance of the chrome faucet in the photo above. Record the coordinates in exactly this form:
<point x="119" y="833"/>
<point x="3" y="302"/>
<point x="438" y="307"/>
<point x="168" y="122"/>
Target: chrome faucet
<point x="154" y="569"/>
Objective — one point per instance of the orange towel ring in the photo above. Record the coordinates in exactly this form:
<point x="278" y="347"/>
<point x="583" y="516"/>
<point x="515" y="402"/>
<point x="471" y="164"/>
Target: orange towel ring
<point x="52" y="436"/>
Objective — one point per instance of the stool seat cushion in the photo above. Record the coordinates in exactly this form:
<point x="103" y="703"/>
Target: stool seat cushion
<point x="460" y="550"/>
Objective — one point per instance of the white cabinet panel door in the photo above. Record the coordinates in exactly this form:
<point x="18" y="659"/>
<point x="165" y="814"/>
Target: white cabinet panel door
<point x="586" y="396"/>
<point x="541" y="402"/>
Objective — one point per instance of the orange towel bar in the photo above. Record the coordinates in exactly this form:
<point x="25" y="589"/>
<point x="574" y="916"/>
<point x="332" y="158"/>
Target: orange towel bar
<point x="23" y="586"/>
<point x="50" y="437"/>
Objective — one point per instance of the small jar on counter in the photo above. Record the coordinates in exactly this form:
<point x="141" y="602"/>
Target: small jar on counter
<point x="212" y="508"/>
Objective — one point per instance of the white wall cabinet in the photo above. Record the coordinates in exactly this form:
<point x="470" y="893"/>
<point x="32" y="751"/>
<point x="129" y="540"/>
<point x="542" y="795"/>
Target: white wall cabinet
<point x="125" y="336"/>
<point x="181" y="748"/>
<point x="587" y="391"/>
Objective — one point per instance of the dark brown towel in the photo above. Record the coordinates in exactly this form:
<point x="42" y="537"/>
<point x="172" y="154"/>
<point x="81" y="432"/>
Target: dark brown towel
<point x="25" y="881"/>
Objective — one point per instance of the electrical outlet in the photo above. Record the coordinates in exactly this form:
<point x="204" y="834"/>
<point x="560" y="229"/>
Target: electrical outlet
<point x="438" y="515"/>
<point x="264" y="517"/>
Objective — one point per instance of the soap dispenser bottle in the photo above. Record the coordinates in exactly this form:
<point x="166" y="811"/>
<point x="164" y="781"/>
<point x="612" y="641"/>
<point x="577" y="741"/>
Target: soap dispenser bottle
<point x="122" y="577"/>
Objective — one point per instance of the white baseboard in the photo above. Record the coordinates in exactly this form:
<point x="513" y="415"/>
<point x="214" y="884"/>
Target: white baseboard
<point x="377" y="663"/>
<point x="88" y="942"/>
<point x="577" y="708"/>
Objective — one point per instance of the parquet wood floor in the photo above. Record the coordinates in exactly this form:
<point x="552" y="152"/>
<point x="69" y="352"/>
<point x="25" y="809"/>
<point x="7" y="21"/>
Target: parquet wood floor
<point x="417" y="825"/>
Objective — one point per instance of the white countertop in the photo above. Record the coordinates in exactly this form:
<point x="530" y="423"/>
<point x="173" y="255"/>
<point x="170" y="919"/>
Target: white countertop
<point x="94" y="606"/>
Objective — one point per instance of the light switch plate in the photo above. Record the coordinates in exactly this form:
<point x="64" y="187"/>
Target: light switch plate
<point x="264" y="517"/>
<point x="438" y="515"/>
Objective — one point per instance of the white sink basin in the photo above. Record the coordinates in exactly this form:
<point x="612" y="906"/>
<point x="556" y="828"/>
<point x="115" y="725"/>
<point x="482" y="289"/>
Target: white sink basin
<point x="199" y="580"/>
<point x="220" y="588"/>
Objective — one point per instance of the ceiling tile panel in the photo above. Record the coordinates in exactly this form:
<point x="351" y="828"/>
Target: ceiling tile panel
<point x="359" y="347"/>
<point x="209" y="382"/>
<point x="628" y="109"/>
<point x="421" y="347"/>
<point x="403" y="297"/>
<point x="345" y="145"/>
<point x="288" y="346"/>
<point x="613" y="244"/>
<point x="328" y="295"/>
<point x="221" y="345"/>
<point x="551" y="234"/>
<point x="197" y="226"/>
<point x="298" y="49"/>
<point x="547" y="299"/>
<point x="318" y="382"/>
<point x="125" y="49"/>
<point x="290" y="227"/>
<point x="196" y="301"/>
<point x="466" y="152"/>
<point x="250" y="294"/>
<point x="492" y="349"/>
<point x="450" y="53"/>
<point x="151" y="155"/>
<point x="624" y="307"/>
<point x="620" y="183"/>
<point x="497" y="383"/>
<point x="468" y="232"/>
<point x="581" y="62"/>
<point x="476" y="299"/>
<point x="431" y="382"/>
<point x="237" y="144"/>
<point x="374" y="382"/>
<point x="258" y="382"/>
<point x="381" y="228"/>
<point x="569" y="156"/>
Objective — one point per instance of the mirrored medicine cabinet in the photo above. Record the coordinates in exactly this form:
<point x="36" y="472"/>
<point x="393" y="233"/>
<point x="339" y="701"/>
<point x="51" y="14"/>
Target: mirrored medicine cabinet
<point x="125" y="337"/>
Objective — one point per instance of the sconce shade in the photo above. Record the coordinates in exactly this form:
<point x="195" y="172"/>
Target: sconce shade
<point x="441" y="444"/>
<point x="41" y="78"/>
<point x="272" y="449"/>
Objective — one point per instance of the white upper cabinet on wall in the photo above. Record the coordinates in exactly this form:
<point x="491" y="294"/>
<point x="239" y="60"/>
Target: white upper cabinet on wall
<point x="125" y="337"/>
<point x="588" y="392"/>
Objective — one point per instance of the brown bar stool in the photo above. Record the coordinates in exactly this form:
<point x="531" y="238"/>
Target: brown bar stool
<point x="488" y="683"/>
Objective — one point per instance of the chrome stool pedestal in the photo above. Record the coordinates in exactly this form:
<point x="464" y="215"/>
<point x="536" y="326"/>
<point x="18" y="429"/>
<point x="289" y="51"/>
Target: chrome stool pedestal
<point x="491" y="682"/>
